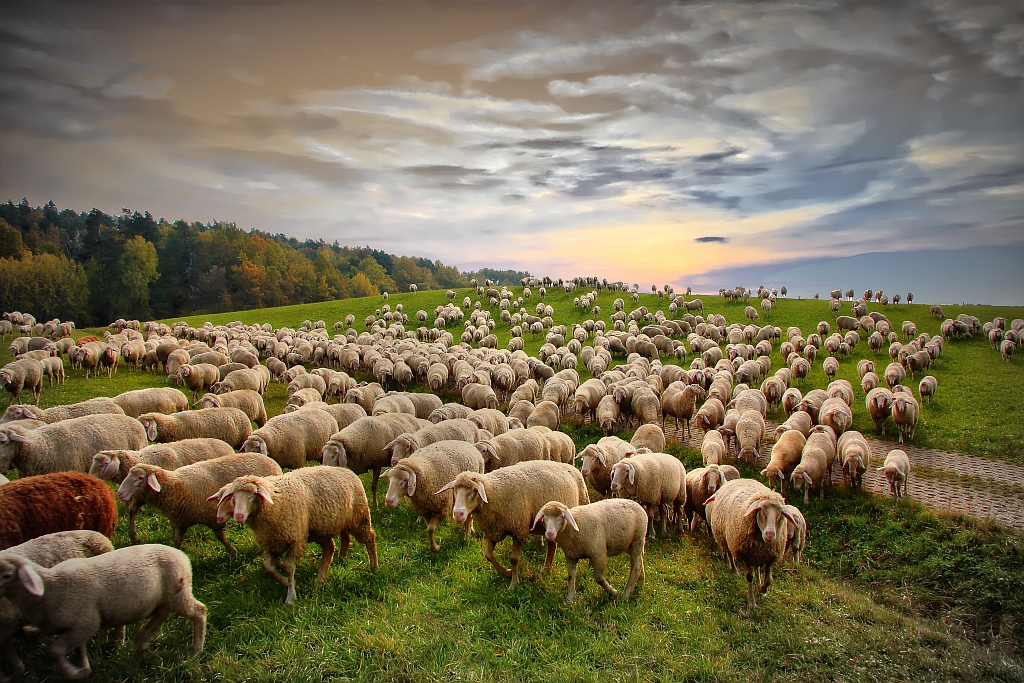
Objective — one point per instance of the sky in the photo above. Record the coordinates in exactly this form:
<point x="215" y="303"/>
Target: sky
<point x="649" y="142"/>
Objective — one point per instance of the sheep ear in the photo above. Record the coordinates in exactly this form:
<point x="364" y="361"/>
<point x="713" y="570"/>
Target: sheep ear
<point x="446" y="487"/>
<point x="391" y="445"/>
<point x="601" y="458"/>
<point x="264" y="493"/>
<point x="410" y="483"/>
<point x="789" y="517"/>
<point x="764" y="472"/>
<point x="632" y="474"/>
<point x="754" y="507"/>
<point x="153" y="482"/>
<point x="31" y="580"/>
<point x="807" y="478"/>
<point x="569" y="518"/>
<point x="481" y="491"/>
<point x="489" y="449"/>
<point x="217" y="497"/>
<point x="536" y="520"/>
<point x="710" y="500"/>
<point x="19" y="438"/>
<point x="411" y="445"/>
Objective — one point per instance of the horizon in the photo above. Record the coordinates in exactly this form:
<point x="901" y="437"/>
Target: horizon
<point x="660" y="142"/>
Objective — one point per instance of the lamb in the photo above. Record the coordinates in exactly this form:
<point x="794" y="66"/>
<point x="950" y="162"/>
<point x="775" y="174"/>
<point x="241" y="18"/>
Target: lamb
<point x="655" y="480"/>
<point x="749" y="434"/>
<point x="20" y="375"/>
<point x="927" y="387"/>
<point x="835" y="413"/>
<point x="598" y="460"/>
<point x="505" y="502"/>
<point x="450" y="411"/>
<point x="477" y="396"/>
<point x="93" y="406"/>
<point x="649" y="436"/>
<point x="546" y="413"/>
<point x="513" y="447"/>
<point x="287" y="511"/>
<point x="43" y="504"/>
<point x="905" y="413"/>
<point x="786" y="453"/>
<point x="181" y="494"/>
<point x="198" y="378"/>
<point x="431" y="467"/>
<point x="701" y="484"/>
<point x="448" y="430"/>
<point x="293" y="438"/>
<point x="230" y="425"/>
<point x="713" y="449"/>
<point x="746" y="517"/>
<point x="490" y="419"/>
<point x="361" y="446"/>
<point x="597" y="531"/>
<point x="855" y="456"/>
<point x="165" y="400"/>
<point x="71" y="444"/>
<point x="46" y="551"/>
<point x="79" y="596"/>
<point x="897" y="472"/>
<point x="248" y="401"/>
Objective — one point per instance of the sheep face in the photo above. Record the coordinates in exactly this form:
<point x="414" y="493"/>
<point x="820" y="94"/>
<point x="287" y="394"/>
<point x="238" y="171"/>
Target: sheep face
<point x="469" y="493"/>
<point x="239" y="500"/>
<point x="209" y="401"/>
<point x="768" y="515"/>
<point x="555" y="515"/>
<point x="105" y="465"/>
<point x="138" y="479"/>
<point x="151" y="428"/>
<point x="622" y="472"/>
<point x="402" y="447"/>
<point x="402" y="482"/>
<point x="334" y="454"/>
<point x="255" y="444"/>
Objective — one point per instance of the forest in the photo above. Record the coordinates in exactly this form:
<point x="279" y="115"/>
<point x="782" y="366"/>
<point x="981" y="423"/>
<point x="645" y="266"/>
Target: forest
<point x="92" y="267"/>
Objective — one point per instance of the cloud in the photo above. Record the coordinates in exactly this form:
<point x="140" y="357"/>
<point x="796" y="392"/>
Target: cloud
<point x="711" y="239"/>
<point x="245" y="77"/>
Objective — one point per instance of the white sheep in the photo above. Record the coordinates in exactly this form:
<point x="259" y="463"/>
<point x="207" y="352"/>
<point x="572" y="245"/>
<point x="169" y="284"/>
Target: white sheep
<point x="71" y="444"/>
<point x="138" y="402"/>
<point x="655" y="480"/>
<point x="897" y="472"/>
<point x="230" y="425"/>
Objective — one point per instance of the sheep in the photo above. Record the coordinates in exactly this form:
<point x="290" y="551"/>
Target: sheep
<point x="79" y="596"/>
<point x="546" y="413"/>
<point x="69" y="445"/>
<point x="36" y="505"/>
<point x="365" y="395"/>
<point x="246" y="400"/>
<point x="490" y="419"/>
<point x="800" y="421"/>
<point x="505" y="502"/>
<point x="649" y="436"/>
<point x="713" y="448"/>
<point x="180" y="494"/>
<point x="655" y="480"/>
<point x="22" y="374"/>
<point x="93" y="406"/>
<point x="198" y="378"/>
<point x="814" y="468"/>
<point x="46" y="551"/>
<point x="710" y="415"/>
<point x="879" y="404"/>
<point x="513" y="447"/>
<point x="424" y="403"/>
<point x="450" y="411"/>
<point x="749" y="434"/>
<point x="303" y="397"/>
<point x="927" y="388"/>
<point x="791" y="399"/>
<point x="597" y="531"/>
<point x="786" y="454"/>
<point x="608" y="414"/>
<point x="598" y="460"/>
<point x="361" y="446"/>
<point x="286" y="511"/>
<point x="431" y="467"/>
<point x="835" y="413"/>
<point x="745" y="518"/>
<point x="680" y="404"/>
<point x="895" y="374"/>
<point x="448" y="430"/>
<point x="244" y="379"/>
<point x="477" y="396"/>
<point x="561" y="447"/>
<point x="905" y="413"/>
<point x="701" y="484"/>
<point x="227" y="424"/>
<point x="293" y="438"/>
<point x="897" y="472"/>
<point x="854" y="455"/>
<point x="521" y="411"/>
<point x="796" y="533"/>
<point x="165" y="400"/>
<point x="587" y="398"/>
<point x="343" y="413"/>
<point x="1007" y="348"/>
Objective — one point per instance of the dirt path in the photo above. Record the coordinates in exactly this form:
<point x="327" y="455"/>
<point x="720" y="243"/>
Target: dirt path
<point x="976" y="487"/>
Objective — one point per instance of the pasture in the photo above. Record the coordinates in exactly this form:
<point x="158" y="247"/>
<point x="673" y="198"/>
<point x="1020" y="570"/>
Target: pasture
<point x="886" y="592"/>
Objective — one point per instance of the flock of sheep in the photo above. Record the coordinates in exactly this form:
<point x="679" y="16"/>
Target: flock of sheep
<point x="508" y="472"/>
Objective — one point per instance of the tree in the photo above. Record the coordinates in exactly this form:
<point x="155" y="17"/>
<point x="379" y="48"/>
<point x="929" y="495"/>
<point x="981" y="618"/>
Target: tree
<point x="376" y="274"/>
<point x="11" y="245"/>
<point x="361" y="286"/>
<point x="137" y="267"/>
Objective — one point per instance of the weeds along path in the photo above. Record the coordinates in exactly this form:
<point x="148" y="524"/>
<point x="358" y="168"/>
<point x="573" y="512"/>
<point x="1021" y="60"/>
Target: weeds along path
<point x="964" y="484"/>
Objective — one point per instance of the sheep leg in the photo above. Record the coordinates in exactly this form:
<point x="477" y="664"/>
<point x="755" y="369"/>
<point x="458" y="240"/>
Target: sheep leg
<point x="636" y="566"/>
<point x="549" y="561"/>
<point x="368" y="538"/>
<point x="599" y="565"/>
<point x="179" y="536"/>
<point x="270" y="564"/>
<point x="133" y="509"/>
<point x="766" y="573"/>
<point x="156" y="620"/>
<point x="751" y="603"/>
<point x="489" y="554"/>
<point x="650" y="522"/>
<point x="325" y="560"/>
<point x="219" y="531"/>
<point x="469" y="527"/>
<point x="517" y="551"/>
<point x="570" y="564"/>
<point x="373" y="484"/>
<point x="290" y="560"/>
<point x="664" y="518"/>
<point x="17" y="667"/>
<point x="431" y="528"/>
<point x="343" y="544"/>
<point x="70" y="640"/>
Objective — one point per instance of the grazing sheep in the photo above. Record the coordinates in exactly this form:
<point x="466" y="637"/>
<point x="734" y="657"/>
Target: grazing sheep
<point x="343" y="413"/>
<point x="165" y="400"/>
<point x="799" y="421"/>
<point x="293" y="438"/>
<point x="796" y="533"/>
<point x="303" y="397"/>
<point x="476" y="396"/>
<point x="897" y="472"/>
<point x="64" y="501"/>
<point x="608" y="414"/>
<point x="701" y="484"/>
<point x="597" y="531"/>
<point x="447" y="430"/>
<point x="69" y="445"/>
<point x="927" y="388"/>
<point x="546" y="414"/>
<point x="835" y="413"/>
<point x="79" y="596"/>
<point x="655" y="480"/>
<point x="905" y="413"/>
<point x="786" y="454"/>
<point x="198" y="378"/>
<point x="749" y="434"/>
<point x="513" y="447"/>
<point x="248" y="401"/>
<point x="746" y="517"/>
<point x="713" y="448"/>
<point x="854" y="455"/>
<point x="505" y="502"/>
<point x="417" y="478"/>
<point x="252" y="378"/>
<point x="365" y="395"/>
<point x="22" y="374"/>
<point x="362" y="446"/>
<point x="814" y="469"/>
<point x="598" y="460"/>
<point x="93" y="406"/>
<point x="450" y="411"/>
<point x="490" y="419"/>
<point x="287" y="511"/>
<point x="649" y="436"/>
<point x="587" y="398"/>
<point x="227" y="424"/>
<point x="710" y="415"/>
<point x="181" y="494"/>
<point x="521" y="411"/>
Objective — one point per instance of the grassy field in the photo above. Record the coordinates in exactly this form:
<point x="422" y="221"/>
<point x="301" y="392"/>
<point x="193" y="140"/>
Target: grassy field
<point x="887" y="592"/>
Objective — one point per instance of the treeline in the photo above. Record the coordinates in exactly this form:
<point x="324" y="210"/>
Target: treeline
<point x="92" y="267"/>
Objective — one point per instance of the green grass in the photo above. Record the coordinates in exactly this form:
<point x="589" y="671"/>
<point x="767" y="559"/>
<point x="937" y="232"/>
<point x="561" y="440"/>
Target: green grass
<point x="887" y="592"/>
